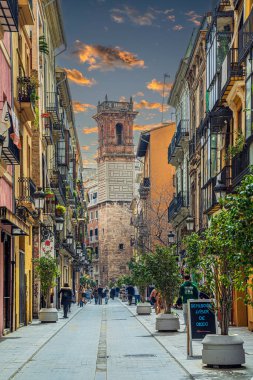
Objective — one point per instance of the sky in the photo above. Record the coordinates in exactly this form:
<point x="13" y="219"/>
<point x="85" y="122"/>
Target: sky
<point x="123" y="49"/>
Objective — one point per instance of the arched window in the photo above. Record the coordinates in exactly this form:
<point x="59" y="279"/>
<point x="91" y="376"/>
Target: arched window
<point x="119" y="134"/>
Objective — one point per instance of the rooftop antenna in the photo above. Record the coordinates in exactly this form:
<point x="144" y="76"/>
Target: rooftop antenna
<point x="164" y="82"/>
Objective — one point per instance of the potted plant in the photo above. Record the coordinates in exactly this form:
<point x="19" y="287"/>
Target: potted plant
<point x="60" y="210"/>
<point x="46" y="269"/>
<point x="225" y="255"/>
<point x="49" y="194"/>
<point x="163" y="267"/>
<point x="141" y="278"/>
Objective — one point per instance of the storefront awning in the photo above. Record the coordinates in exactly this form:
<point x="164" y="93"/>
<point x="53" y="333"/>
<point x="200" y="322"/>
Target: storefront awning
<point x="10" y="219"/>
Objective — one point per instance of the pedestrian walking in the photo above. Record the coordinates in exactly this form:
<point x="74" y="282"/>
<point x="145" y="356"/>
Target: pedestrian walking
<point x="187" y="291"/>
<point x="66" y="298"/>
<point x="112" y="293"/>
<point x="106" y="294"/>
<point x="137" y="295"/>
<point x="100" y="295"/>
<point x="130" y="294"/>
<point x="80" y="296"/>
<point x="95" y="295"/>
<point x="153" y="298"/>
<point x="117" y="290"/>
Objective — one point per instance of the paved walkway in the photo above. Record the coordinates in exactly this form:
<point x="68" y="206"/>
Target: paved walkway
<point x="176" y="342"/>
<point x="98" y="343"/>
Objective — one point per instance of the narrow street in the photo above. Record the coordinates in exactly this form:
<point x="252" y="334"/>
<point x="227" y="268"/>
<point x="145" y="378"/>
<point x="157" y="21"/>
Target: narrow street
<point x="99" y="343"/>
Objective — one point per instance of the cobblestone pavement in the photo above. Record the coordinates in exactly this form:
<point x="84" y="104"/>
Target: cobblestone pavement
<point x="102" y="343"/>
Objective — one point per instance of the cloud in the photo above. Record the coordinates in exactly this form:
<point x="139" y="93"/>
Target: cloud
<point x="85" y="148"/>
<point x="122" y="99"/>
<point x="178" y="27"/>
<point x="120" y="14"/>
<point x="171" y="18"/>
<point x="104" y="58"/>
<point x="82" y="107"/>
<point x="87" y="162"/>
<point x="77" y="77"/>
<point x="144" y="104"/>
<point x="88" y="131"/>
<point x="157" y="86"/>
<point x="118" y="19"/>
<point x="138" y="94"/>
<point x="193" y="17"/>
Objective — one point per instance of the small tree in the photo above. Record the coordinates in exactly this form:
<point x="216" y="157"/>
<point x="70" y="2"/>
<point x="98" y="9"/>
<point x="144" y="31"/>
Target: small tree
<point x="140" y="275"/>
<point x="224" y="252"/>
<point x="163" y="268"/>
<point x="46" y="269"/>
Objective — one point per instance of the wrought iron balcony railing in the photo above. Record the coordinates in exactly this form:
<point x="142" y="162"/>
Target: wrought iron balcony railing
<point x="27" y="189"/>
<point x="171" y="149"/>
<point x="231" y="70"/>
<point x="246" y="37"/>
<point x="144" y="188"/>
<point x="52" y="107"/>
<point x="178" y="202"/>
<point x="182" y="131"/>
<point x="240" y="166"/>
<point x="26" y="90"/>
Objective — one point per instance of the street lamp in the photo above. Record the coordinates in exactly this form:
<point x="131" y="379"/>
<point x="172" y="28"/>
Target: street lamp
<point x="171" y="237"/>
<point x="220" y="190"/>
<point x="59" y="223"/>
<point x="39" y="199"/>
<point x="69" y="239"/>
<point x="2" y="138"/>
<point x="190" y="223"/>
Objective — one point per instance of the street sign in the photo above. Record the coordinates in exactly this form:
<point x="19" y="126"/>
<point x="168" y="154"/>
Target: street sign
<point x="201" y="321"/>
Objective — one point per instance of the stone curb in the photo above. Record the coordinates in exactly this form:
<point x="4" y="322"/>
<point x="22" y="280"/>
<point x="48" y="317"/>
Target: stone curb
<point x="158" y="341"/>
<point x="46" y="341"/>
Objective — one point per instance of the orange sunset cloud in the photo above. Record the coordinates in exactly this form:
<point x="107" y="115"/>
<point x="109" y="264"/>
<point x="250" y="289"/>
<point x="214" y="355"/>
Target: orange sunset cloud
<point x="144" y="104"/>
<point x="82" y="107"/>
<point x="157" y="86"/>
<point x="77" y="77"/>
<point x="88" y="131"/>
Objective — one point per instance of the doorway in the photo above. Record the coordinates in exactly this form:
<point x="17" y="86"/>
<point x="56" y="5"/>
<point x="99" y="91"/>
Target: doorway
<point x="22" y="289"/>
<point x="7" y="282"/>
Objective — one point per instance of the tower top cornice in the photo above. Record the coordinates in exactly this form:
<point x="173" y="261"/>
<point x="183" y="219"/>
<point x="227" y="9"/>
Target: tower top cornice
<point x="114" y="107"/>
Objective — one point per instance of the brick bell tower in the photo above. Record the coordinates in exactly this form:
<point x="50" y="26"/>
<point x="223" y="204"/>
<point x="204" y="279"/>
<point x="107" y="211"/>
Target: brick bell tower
<point x="115" y="186"/>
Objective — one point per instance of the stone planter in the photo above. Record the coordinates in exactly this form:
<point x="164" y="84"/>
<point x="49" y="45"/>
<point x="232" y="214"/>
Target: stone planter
<point x="48" y="315"/>
<point x="143" y="308"/>
<point x="223" y="350"/>
<point x="167" y="322"/>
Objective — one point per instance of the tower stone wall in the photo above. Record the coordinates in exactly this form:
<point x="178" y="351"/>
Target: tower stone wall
<point x="115" y="187"/>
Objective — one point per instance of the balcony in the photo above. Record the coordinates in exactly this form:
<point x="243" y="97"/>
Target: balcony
<point x="179" y="143"/>
<point x="178" y="207"/>
<point x="240" y="166"/>
<point x="52" y="107"/>
<point x="48" y="132"/>
<point x="111" y="106"/>
<point x="192" y="146"/>
<point x="27" y="189"/>
<point x="9" y="15"/>
<point x="57" y="184"/>
<point x="25" y="12"/>
<point x="144" y="188"/>
<point x="93" y="239"/>
<point x="10" y="153"/>
<point x="171" y="150"/>
<point x="246" y="37"/>
<point x="25" y="100"/>
<point x="231" y="72"/>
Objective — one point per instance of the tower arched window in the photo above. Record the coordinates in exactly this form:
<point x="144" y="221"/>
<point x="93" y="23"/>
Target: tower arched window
<point x="119" y="134"/>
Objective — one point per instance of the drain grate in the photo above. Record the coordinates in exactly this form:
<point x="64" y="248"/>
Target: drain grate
<point x="140" y="356"/>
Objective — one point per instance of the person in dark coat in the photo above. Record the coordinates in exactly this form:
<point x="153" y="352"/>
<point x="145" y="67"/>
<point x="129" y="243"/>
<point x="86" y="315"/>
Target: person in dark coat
<point x="100" y="295"/>
<point x="66" y="298"/>
<point x="130" y="294"/>
<point x="112" y="293"/>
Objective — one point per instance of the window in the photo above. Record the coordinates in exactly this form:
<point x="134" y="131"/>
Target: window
<point x="91" y="215"/>
<point x="96" y="231"/>
<point x="96" y="251"/>
<point x="91" y="233"/>
<point x="121" y="246"/>
<point x="119" y="132"/>
<point x="96" y="215"/>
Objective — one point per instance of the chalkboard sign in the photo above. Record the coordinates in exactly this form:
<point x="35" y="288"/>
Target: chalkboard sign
<point x="202" y="320"/>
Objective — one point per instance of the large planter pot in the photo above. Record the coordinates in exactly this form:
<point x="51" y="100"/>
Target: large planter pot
<point x="48" y="315"/>
<point x="167" y="322"/>
<point x="223" y="350"/>
<point x="143" y="308"/>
